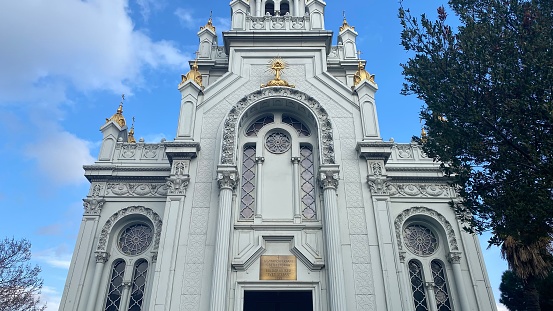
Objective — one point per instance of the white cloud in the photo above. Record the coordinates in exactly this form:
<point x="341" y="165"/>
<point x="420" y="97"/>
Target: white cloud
<point x="51" y="297"/>
<point x="187" y="19"/>
<point x="89" y="45"/>
<point x="146" y="7"/>
<point x="501" y="307"/>
<point x="60" y="155"/>
<point x="56" y="257"/>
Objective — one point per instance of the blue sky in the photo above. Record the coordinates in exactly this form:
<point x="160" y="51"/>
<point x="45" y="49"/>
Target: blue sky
<point x="64" y="65"/>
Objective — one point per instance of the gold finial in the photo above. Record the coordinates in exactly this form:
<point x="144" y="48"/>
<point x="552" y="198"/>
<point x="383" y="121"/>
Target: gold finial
<point x="345" y="24"/>
<point x="209" y="23"/>
<point x="277" y="66"/>
<point x="362" y="74"/>
<point x="130" y="136"/>
<point x="194" y="74"/>
<point x="118" y="116"/>
<point x="424" y="136"/>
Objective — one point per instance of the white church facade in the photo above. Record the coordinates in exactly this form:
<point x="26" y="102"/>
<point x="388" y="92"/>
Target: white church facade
<point x="277" y="193"/>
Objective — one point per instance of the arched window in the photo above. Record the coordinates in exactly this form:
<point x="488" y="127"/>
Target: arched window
<point x="278" y="168"/>
<point x="247" y="207"/>
<point x="440" y="286"/>
<point x="421" y="239"/>
<point x="417" y="285"/>
<point x="113" y="300"/>
<point x="270" y="8"/>
<point x="284" y="8"/>
<point x="138" y="287"/>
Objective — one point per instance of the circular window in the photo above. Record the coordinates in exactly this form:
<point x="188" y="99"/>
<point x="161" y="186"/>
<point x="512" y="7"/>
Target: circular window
<point x="278" y="142"/>
<point x="135" y="239"/>
<point x="420" y="240"/>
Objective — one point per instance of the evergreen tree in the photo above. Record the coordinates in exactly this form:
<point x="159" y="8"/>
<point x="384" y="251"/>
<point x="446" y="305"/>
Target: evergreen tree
<point x="487" y="86"/>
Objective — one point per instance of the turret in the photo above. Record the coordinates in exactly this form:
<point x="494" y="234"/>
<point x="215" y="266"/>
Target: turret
<point x="113" y="131"/>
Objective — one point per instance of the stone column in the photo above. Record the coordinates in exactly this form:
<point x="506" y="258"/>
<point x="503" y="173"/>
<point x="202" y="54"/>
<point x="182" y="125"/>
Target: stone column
<point x="296" y="189"/>
<point x="430" y="296"/>
<point x="455" y="259"/>
<point x="227" y="178"/>
<point x="328" y="178"/>
<point x="258" y="8"/>
<point x="101" y="259"/>
<point x="258" y="189"/>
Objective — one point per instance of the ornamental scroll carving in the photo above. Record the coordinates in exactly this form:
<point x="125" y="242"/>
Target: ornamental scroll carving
<point x="329" y="179"/>
<point x="93" y="206"/>
<point x="421" y="210"/>
<point x="179" y="180"/>
<point x="137" y="189"/>
<point x="131" y="210"/>
<point x="423" y="190"/>
<point x="326" y="139"/>
<point x="227" y="180"/>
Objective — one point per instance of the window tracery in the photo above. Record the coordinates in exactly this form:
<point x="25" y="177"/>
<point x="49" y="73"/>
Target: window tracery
<point x="417" y="285"/>
<point x="307" y="176"/>
<point x="278" y="142"/>
<point x="302" y="129"/>
<point x="440" y="286"/>
<point x="138" y="288"/>
<point x="420" y="240"/>
<point x="248" y="183"/>
<point x="254" y="128"/>
<point x="115" y="290"/>
<point x="135" y="239"/>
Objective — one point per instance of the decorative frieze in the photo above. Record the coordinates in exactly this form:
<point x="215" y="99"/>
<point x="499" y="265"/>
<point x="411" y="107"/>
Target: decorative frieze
<point x="422" y="190"/>
<point x="137" y="189"/>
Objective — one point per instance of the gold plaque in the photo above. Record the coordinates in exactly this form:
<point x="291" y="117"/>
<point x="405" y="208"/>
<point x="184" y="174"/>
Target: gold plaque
<point x="278" y="268"/>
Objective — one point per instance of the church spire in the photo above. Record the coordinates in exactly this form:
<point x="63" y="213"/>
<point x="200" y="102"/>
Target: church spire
<point x="194" y="73"/>
<point x="345" y="24"/>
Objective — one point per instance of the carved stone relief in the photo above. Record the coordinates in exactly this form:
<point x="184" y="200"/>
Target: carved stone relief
<point x="93" y="206"/>
<point x="422" y="190"/>
<point x="136" y="210"/>
<point x="232" y="119"/>
<point x="128" y="151"/>
<point x="421" y="210"/>
<point x="137" y="189"/>
<point x="404" y="151"/>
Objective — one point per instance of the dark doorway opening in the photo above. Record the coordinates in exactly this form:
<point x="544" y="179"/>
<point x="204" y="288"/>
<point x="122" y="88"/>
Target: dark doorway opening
<point x="278" y="301"/>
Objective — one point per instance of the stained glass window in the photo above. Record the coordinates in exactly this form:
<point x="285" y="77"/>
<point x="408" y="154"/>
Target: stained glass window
<point x="115" y="290"/>
<point x="307" y="183"/>
<point x="248" y="183"/>
<point x="440" y="286"/>
<point x="298" y="125"/>
<point x="420" y="240"/>
<point x="417" y="285"/>
<point x="138" y="286"/>
<point x="135" y="239"/>
<point x="278" y="142"/>
<point x="258" y="124"/>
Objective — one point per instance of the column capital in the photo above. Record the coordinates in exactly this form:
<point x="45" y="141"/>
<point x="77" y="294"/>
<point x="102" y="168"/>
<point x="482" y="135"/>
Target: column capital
<point x="329" y="175"/>
<point x="101" y="257"/>
<point x="259" y="160"/>
<point x="93" y="206"/>
<point x="295" y="160"/>
<point x="227" y="177"/>
<point x="177" y="184"/>
<point x="454" y="257"/>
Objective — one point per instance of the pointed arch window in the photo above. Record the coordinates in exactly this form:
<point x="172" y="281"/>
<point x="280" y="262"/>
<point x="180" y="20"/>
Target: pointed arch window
<point x="417" y="285"/>
<point x="115" y="291"/>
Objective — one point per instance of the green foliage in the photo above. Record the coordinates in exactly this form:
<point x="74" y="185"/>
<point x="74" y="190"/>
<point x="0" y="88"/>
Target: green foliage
<point x="513" y="292"/>
<point x="487" y="86"/>
<point x="20" y="283"/>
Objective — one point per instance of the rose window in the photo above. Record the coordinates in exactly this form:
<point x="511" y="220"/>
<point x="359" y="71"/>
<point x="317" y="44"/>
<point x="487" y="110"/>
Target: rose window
<point x="278" y="142"/>
<point x="135" y="239"/>
<point x="420" y="240"/>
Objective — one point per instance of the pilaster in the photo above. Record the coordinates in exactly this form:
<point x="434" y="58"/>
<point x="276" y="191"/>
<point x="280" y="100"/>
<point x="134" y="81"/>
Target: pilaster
<point x="227" y="178"/>
<point x="365" y="91"/>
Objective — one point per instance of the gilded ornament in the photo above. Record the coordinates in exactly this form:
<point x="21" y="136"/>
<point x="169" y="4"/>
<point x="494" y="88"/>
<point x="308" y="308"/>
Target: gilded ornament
<point x="277" y="66"/>
<point x="130" y="137"/>
<point x="118" y="116"/>
<point x="209" y="24"/>
<point x="345" y="25"/>
<point x="362" y="75"/>
<point x="193" y="74"/>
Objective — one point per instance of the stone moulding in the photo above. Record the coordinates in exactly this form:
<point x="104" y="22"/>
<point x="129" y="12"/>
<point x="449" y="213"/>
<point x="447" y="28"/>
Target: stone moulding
<point x="326" y="138"/>
<point x="131" y="210"/>
<point x="421" y="210"/>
